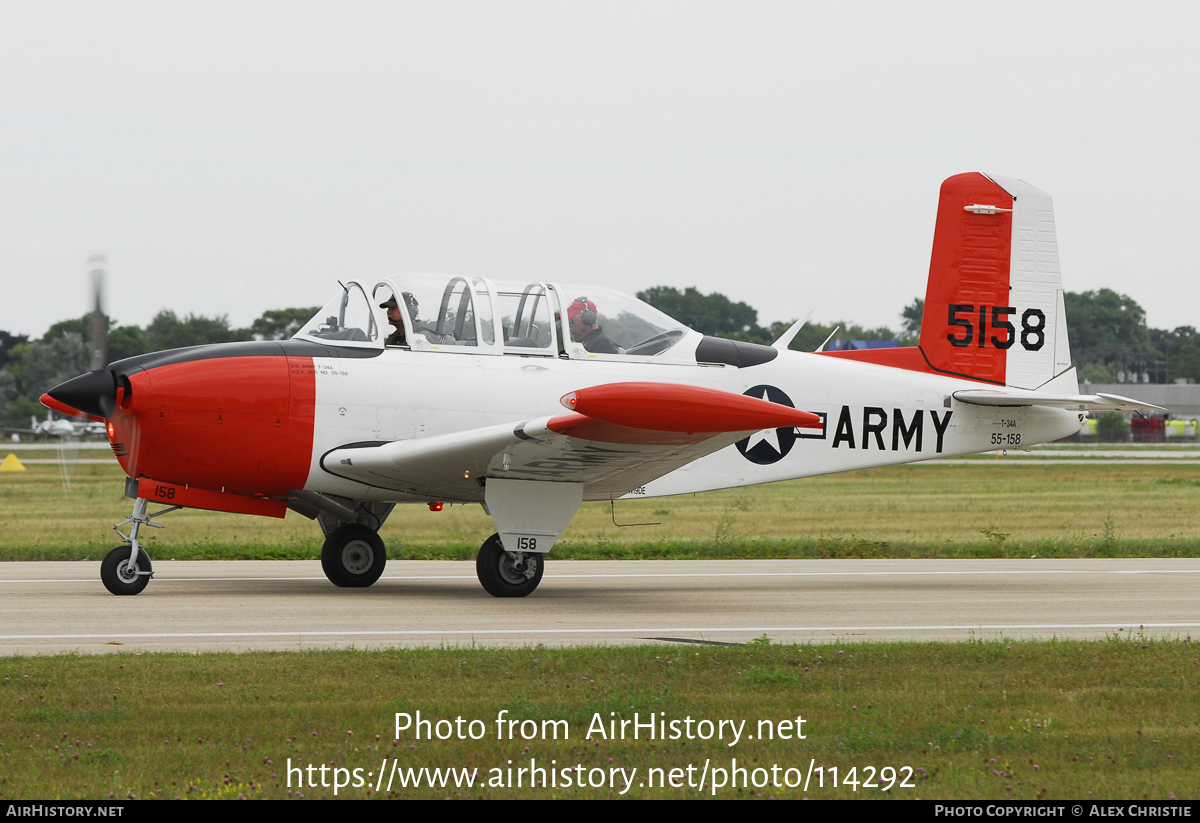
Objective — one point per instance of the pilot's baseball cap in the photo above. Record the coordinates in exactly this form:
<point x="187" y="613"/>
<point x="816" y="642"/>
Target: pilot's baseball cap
<point x="390" y="304"/>
<point x="579" y="306"/>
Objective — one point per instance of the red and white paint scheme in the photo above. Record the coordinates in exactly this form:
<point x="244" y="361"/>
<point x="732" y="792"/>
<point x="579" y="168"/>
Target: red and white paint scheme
<point x="530" y="398"/>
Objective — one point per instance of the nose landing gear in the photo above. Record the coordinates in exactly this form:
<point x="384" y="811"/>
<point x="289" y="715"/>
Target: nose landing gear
<point x="126" y="570"/>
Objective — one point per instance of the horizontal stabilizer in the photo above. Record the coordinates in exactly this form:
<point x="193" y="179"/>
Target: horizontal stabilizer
<point x="1082" y="402"/>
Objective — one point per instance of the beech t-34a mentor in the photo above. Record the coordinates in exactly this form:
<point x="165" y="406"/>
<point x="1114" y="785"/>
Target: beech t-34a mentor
<point x="463" y="402"/>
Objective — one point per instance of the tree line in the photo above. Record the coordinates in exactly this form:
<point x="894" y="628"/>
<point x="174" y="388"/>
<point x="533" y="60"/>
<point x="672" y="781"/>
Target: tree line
<point x="1108" y="331"/>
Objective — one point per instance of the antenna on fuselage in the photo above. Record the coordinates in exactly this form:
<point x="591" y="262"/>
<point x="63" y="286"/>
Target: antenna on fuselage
<point x="788" y="336"/>
<point x="836" y="329"/>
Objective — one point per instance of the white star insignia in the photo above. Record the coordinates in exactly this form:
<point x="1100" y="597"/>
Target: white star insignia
<point x="769" y="436"/>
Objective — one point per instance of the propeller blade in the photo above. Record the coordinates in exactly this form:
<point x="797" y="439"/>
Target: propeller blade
<point x="98" y="263"/>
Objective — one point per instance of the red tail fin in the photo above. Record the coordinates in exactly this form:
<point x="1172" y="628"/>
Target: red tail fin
<point x="968" y="280"/>
<point x="994" y="303"/>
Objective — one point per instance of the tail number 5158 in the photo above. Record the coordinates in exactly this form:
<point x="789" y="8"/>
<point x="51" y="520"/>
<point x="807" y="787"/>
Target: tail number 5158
<point x="1033" y="327"/>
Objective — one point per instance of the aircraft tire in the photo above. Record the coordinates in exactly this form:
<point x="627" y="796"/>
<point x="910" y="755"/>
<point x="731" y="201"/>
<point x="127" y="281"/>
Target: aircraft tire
<point x="353" y="556"/>
<point x="113" y="571"/>
<point x="494" y="567"/>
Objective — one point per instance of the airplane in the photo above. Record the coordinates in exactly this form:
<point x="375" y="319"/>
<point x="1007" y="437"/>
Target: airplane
<point x="63" y="428"/>
<point x="530" y="398"/>
<point x="58" y="428"/>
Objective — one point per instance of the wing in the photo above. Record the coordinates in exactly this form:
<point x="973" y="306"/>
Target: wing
<point x="618" y="437"/>
<point x="1088" y="402"/>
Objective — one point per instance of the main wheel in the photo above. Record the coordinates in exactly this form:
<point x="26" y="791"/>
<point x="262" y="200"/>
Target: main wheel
<point x="353" y="556"/>
<point x="507" y="574"/>
<point x="119" y="577"/>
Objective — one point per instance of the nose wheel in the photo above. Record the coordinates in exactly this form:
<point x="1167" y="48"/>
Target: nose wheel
<point x="353" y="556"/>
<point x="122" y="577"/>
<point x="507" y="574"/>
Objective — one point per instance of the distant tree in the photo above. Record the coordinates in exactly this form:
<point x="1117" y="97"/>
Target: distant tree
<point x="1096" y="373"/>
<point x="713" y="314"/>
<point x="280" y="324"/>
<point x="1178" y="351"/>
<point x="126" y="341"/>
<point x="168" y="331"/>
<point x="9" y="341"/>
<point x="1112" y="427"/>
<point x="44" y="365"/>
<point x="20" y="413"/>
<point x="8" y="389"/>
<point x="78" y="326"/>
<point x="1107" y="327"/>
<point x="910" y="326"/>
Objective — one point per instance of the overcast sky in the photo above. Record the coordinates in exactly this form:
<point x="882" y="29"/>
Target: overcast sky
<point x="235" y="157"/>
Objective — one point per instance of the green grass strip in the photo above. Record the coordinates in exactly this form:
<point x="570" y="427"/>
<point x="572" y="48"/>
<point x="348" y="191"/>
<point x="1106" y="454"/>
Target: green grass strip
<point x="1004" y="720"/>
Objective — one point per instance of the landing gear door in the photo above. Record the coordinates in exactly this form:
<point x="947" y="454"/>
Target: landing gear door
<point x="530" y="515"/>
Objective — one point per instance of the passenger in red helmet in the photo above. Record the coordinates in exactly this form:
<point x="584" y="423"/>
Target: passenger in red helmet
<point x="581" y="317"/>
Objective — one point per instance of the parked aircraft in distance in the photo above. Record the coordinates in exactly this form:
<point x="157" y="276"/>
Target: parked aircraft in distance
<point x="62" y="427"/>
<point x="532" y="397"/>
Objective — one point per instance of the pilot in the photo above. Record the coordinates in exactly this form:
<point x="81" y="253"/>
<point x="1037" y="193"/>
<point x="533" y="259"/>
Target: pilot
<point x="396" y="338"/>
<point x="581" y="317"/>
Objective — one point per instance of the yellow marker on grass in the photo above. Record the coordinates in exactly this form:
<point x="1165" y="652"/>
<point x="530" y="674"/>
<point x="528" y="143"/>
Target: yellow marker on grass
<point x="12" y="464"/>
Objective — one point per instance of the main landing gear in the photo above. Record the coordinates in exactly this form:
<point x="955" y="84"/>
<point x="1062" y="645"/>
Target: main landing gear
<point x="507" y="574"/>
<point x="126" y="570"/>
<point x="353" y="556"/>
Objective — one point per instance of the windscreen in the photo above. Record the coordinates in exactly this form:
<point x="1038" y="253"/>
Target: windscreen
<point x="346" y="318"/>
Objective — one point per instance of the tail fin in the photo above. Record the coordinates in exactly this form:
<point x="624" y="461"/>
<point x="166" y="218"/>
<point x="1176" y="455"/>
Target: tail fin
<point x="994" y="303"/>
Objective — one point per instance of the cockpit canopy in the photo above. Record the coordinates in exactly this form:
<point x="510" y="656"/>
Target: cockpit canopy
<point x="450" y="313"/>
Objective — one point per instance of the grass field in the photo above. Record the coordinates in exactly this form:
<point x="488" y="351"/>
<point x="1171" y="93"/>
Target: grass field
<point x="1015" y="720"/>
<point x="988" y="509"/>
<point x="1088" y="720"/>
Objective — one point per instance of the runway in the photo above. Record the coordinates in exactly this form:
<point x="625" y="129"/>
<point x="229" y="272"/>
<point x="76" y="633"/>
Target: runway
<point x="190" y="606"/>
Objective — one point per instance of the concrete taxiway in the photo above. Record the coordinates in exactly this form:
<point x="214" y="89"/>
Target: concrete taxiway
<point x="246" y="605"/>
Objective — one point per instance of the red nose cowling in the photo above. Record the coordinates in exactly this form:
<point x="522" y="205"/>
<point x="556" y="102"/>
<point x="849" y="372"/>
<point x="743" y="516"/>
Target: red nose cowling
<point x="238" y="425"/>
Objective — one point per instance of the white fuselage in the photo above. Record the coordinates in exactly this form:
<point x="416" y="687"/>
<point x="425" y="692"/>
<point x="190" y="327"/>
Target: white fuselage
<point x="874" y="415"/>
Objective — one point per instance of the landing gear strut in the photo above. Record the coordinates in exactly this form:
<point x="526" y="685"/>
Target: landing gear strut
<point x="126" y="570"/>
<point x="507" y="574"/>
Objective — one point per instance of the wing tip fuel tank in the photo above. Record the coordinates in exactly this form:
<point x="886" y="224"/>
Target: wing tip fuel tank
<point x="670" y="407"/>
